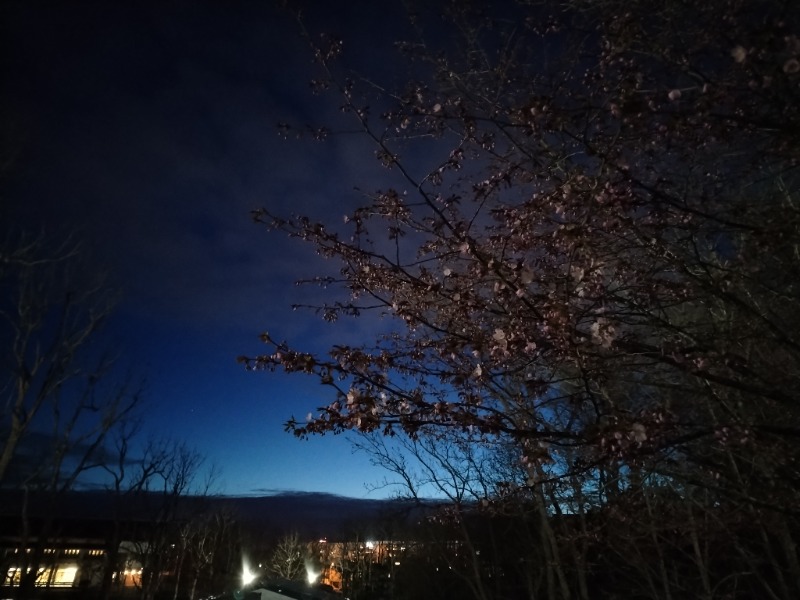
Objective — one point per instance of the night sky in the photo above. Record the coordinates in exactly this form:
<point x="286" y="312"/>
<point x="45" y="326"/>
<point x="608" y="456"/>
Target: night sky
<point x="148" y="130"/>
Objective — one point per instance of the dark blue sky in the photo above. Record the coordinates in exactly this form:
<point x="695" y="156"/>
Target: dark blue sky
<point x="149" y="130"/>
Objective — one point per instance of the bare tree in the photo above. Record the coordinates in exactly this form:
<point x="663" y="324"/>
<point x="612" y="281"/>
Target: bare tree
<point x="146" y="485"/>
<point x="164" y="507"/>
<point x="474" y="490"/>
<point x="57" y="382"/>
<point x="202" y="539"/>
<point x="63" y="396"/>
<point x="289" y="558"/>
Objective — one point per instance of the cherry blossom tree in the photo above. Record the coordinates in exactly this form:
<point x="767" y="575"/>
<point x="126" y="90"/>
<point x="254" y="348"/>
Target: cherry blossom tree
<point x="587" y="245"/>
<point x="621" y="216"/>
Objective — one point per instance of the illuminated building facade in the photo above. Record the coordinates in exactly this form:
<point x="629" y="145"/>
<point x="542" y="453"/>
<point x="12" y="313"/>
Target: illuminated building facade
<point x="67" y="565"/>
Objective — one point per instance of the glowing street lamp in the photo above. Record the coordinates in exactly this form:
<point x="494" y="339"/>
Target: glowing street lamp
<point x="248" y="576"/>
